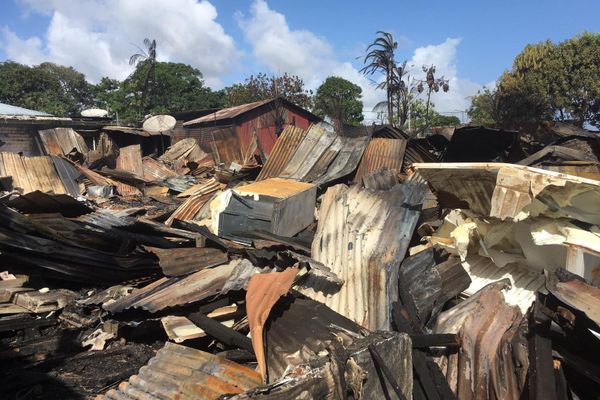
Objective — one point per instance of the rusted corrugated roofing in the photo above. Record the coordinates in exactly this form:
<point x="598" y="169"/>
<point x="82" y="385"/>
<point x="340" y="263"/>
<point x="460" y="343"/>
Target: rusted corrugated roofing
<point x="31" y="173"/>
<point x="381" y="153"/>
<point x="263" y="292"/>
<point x="68" y="175"/>
<point x="62" y="141"/>
<point x="362" y="236"/>
<point x="284" y="149"/>
<point x="189" y="209"/>
<point x="182" y="261"/>
<point x="130" y="131"/>
<point x="346" y="160"/>
<point x="490" y="363"/>
<point x="228" y="113"/>
<point x="154" y="170"/>
<point x="180" y="372"/>
<point x="315" y="144"/>
<point x="169" y="292"/>
<point x="130" y="160"/>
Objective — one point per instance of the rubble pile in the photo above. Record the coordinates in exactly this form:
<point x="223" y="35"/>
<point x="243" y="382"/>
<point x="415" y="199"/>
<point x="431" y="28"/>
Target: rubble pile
<point x="331" y="269"/>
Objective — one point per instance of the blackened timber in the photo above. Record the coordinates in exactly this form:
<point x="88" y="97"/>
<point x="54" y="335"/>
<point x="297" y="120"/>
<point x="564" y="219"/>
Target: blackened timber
<point x="386" y="371"/>
<point x="541" y="373"/>
<point x="220" y="332"/>
<point x="438" y="339"/>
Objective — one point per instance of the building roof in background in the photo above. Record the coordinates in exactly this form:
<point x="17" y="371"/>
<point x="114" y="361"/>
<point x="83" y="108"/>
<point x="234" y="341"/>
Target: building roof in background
<point x="233" y="112"/>
<point x="7" y="109"/>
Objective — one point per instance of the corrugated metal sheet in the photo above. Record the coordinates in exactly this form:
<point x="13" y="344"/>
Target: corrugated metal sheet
<point x="227" y="113"/>
<point x="284" y="149"/>
<point x="31" y="173"/>
<point x="588" y="170"/>
<point x="169" y="292"/>
<point x="346" y="160"/>
<point x="7" y="109"/>
<point x="180" y="372"/>
<point x="182" y="261"/>
<point x="362" y="236"/>
<point x="524" y="281"/>
<point x="315" y="144"/>
<point x="381" y="153"/>
<point x="264" y="290"/>
<point x="39" y="202"/>
<point x="190" y="208"/>
<point x="68" y="175"/>
<point x="154" y="170"/>
<point x="225" y="146"/>
<point x="62" y="141"/>
<point x="490" y="363"/>
<point x="130" y="160"/>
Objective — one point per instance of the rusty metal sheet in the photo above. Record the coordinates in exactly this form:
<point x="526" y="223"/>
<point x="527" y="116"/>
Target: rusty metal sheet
<point x="182" y="261"/>
<point x="180" y="372"/>
<point x="346" y="160"/>
<point x="285" y="147"/>
<point x="31" y="173"/>
<point x="62" y="141"/>
<point x="169" y="292"/>
<point x="40" y="202"/>
<point x="264" y="290"/>
<point x="130" y="160"/>
<point x="381" y="153"/>
<point x="362" y="236"/>
<point x="190" y="208"/>
<point x="154" y="170"/>
<point x="315" y="144"/>
<point x="68" y="175"/>
<point x="319" y="168"/>
<point x="486" y="325"/>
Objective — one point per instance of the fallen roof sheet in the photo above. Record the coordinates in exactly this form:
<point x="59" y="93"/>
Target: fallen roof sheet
<point x="180" y="372"/>
<point x="347" y="159"/>
<point x="190" y="208"/>
<point x="130" y="160"/>
<point x="381" y="153"/>
<point x="31" y="173"/>
<point x="507" y="190"/>
<point x="36" y="202"/>
<point x="62" y="141"/>
<point x="68" y="175"/>
<point x="315" y="144"/>
<point x="227" y="113"/>
<point x="169" y="292"/>
<point x="362" y="236"/>
<point x="154" y="170"/>
<point x="284" y="149"/>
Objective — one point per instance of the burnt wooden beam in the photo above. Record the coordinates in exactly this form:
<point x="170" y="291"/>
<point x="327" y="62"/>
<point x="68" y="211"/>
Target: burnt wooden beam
<point x="541" y="377"/>
<point x="221" y="332"/>
<point x="437" y="339"/>
<point x="386" y="371"/>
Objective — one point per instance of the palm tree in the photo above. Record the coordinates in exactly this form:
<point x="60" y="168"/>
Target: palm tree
<point x="381" y="58"/>
<point x="147" y="57"/>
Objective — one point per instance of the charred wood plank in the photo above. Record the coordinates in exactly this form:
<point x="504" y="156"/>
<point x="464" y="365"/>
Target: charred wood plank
<point x="386" y="371"/>
<point x="220" y="332"/>
<point x="542" y="384"/>
<point x="439" y="339"/>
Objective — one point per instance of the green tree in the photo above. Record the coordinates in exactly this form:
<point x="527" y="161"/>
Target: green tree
<point x="145" y="60"/>
<point x="262" y="87"/>
<point x="553" y="81"/>
<point x="484" y="109"/>
<point x="339" y="100"/>
<point x="48" y="87"/>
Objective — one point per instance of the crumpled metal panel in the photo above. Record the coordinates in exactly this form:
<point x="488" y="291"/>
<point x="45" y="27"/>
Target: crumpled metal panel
<point x="362" y="236"/>
<point x="190" y="208"/>
<point x="62" y="141"/>
<point x="154" y="170"/>
<point x="31" y="173"/>
<point x="492" y="362"/>
<point x="346" y="160"/>
<point x="381" y="153"/>
<point x="315" y="144"/>
<point x="169" y="292"/>
<point x="227" y="113"/>
<point x="180" y="372"/>
<point x="130" y="160"/>
<point x="284" y="149"/>
<point x="184" y="260"/>
<point x="68" y="175"/>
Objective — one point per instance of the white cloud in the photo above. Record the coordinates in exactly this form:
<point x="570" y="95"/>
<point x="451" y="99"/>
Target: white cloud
<point x="300" y="52"/>
<point x="97" y="37"/>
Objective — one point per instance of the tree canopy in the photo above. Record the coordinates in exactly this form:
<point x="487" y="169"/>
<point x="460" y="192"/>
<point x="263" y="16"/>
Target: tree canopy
<point x="547" y="81"/>
<point x="262" y="87"/>
<point x="47" y="87"/>
<point x="340" y="100"/>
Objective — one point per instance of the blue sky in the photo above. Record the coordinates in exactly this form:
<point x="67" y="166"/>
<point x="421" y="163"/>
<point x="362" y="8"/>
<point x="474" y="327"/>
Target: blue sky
<point x="472" y="42"/>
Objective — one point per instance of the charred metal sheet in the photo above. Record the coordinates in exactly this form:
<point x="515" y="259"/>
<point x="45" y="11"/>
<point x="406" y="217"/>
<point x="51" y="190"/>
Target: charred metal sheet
<point x="491" y="362"/>
<point x="180" y="183"/>
<point x="182" y="151"/>
<point x="204" y="186"/>
<point x="480" y="144"/>
<point x="68" y="175"/>
<point x="182" y="261"/>
<point x="227" y="113"/>
<point x="362" y="236"/>
<point x="154" y="170"/>
<point x="31" y="173"/>
<point x="62" y="141"/>
<point x="39" y="202"/>
<point x="264" y="290"/>
<point x="313" y="147"/>
<point x="507" y="190"/>
<point x="381" y="153"/>
<point x="346" y="160"/>
<point x="169" y="292"/>
<point x="180" y="372"/>
<point x="284" y="149"/>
